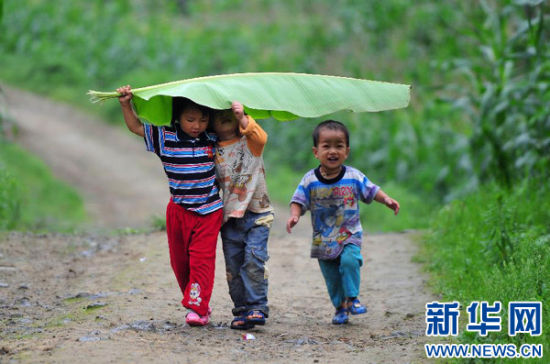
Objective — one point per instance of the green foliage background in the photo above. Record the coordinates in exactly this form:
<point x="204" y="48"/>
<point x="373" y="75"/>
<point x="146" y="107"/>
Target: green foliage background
<point x="472" y="66"/>
<point x="98" y="45"/>
<point x="478" y="123"/>
<point x="478" y="72"/>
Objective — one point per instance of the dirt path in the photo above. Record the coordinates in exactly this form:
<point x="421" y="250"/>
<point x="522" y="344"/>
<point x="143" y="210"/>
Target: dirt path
<point x="106" y="298"/>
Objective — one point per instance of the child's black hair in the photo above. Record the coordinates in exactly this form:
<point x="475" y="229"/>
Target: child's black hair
<point x="332" y="125"/>
<point x="180" y="104"/>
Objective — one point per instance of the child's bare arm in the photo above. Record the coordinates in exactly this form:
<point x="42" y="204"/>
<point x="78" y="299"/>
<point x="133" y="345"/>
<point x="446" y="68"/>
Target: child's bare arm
<point x="238" y="111"/>
<point x="295" y="213"/>
<point x="387" y="200"/>
<point x="130" y="117"/>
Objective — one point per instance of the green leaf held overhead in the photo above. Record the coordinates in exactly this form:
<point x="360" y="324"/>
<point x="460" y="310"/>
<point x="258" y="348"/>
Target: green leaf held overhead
<point x="283" y="96"/>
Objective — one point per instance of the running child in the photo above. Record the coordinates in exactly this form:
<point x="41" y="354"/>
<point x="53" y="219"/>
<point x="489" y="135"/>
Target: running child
<point x="332" y="192"/>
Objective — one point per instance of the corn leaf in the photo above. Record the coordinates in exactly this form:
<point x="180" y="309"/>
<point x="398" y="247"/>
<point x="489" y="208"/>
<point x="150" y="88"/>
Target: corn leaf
<point x="283" y="96"/>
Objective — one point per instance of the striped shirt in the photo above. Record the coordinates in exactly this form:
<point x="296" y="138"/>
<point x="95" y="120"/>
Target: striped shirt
<point x="189" y="165"/>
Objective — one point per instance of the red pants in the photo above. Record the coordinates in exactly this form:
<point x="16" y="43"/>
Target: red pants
<point x="192" y="240"/>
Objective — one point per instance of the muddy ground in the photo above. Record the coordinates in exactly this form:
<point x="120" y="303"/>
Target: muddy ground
<point x="104" y="297"/>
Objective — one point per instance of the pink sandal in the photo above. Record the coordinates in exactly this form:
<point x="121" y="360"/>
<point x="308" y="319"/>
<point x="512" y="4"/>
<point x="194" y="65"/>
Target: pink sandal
<point x="194" y="319"/>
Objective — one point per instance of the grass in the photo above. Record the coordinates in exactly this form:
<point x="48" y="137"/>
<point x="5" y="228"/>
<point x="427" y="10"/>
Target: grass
<point x="494" y="246"/>
<point x="31" y="198"/>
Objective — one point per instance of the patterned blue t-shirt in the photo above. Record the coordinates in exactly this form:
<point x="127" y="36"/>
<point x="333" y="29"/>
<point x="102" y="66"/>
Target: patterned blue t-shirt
<point x="334" y="206"/>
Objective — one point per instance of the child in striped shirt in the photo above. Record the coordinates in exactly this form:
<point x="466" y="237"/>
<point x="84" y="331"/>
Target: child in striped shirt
<point x="194" y="212"/>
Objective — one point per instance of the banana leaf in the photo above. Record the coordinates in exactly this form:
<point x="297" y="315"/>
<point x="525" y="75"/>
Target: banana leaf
<point x="283" y="96"/>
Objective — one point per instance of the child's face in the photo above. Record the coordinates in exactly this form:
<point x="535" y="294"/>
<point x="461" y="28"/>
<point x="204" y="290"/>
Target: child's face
<point x="193" y="122"/>
<point x="225" y="124"/>
<point x="331" y="149"/>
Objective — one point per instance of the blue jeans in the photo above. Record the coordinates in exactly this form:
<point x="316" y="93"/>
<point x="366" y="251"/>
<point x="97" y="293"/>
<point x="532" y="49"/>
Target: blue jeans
<point x="342" y="275"/>
<point x="245" y="250"/>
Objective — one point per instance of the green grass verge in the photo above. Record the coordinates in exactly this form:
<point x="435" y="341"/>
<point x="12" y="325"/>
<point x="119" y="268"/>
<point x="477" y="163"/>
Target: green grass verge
<point x="31" y="198"/>
<point x="494" y="246"/>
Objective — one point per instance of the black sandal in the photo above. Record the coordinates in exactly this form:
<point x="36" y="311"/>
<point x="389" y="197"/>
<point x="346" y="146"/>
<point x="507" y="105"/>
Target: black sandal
<point x="255" y="317"/>
<point x="240" y="323"/>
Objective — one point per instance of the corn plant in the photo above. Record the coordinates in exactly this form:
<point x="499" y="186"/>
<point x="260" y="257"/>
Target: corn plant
<point x="507" y="92"/>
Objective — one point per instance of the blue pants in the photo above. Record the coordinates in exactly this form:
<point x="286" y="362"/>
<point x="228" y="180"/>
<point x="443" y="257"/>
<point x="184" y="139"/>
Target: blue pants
<point x="342" y="275"/>
<point x="245" y="250"/>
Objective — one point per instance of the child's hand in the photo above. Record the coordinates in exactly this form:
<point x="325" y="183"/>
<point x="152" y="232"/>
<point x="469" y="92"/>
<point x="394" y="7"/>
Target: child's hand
<point x="125" y="95"/>
<point x="291" y="222"/>
<point x="392" y="204"/>
<point x="238" y="111"/>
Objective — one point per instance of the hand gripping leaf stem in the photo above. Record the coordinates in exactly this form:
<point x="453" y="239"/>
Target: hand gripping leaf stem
<point x="283" y="96"/>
